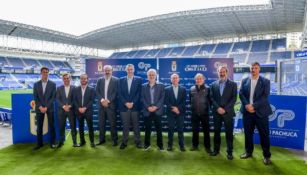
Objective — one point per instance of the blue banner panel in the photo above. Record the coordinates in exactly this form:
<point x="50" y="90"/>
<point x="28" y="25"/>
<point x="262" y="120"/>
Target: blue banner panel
<point x="288" y="122"/>
<point x="187" y="68"/>
<point x="94" y="67"/>
<point x="24" y="122"/>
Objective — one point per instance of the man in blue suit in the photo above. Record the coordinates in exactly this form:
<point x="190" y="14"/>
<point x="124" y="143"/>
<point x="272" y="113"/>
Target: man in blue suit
<point x="44" y="93"/>
<point x="223" y="98"/>
<point x="129" y="93"/>
<point x="152" y="98"/>
<point x="175" y="101"/>
<point x="254" y="94"/>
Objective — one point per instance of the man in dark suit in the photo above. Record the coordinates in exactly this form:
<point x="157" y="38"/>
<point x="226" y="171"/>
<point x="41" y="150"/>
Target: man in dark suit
<point x="200" y="105"/>
<point x="175" y="101"/>
<point x="44" y="92"/>
<point x="129" y="94"/>
<point x="254" y="94"/>
<point x="83" y="103"/>
<point x="106" y="91"/>
<point x="153" y="100"/>
<point x="223" y="95"/>
<point x="64" y="97"/>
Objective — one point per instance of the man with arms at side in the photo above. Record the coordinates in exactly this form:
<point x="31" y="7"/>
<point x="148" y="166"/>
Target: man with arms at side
<point x="83" y="102"/>
<point x="175" y="101"/>
<point x="254" y="94"/>
<point x="64" y="97"/>
<point x="223" y="94"/>
<point x="129" y="92"/>
<point x="200" y="106"/>
<point x="153" y="100"/>
<point x="106" y="91"/>
<point x="44" y="93"/>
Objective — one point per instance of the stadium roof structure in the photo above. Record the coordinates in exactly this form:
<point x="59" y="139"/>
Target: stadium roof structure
<point x="278" y="16"/>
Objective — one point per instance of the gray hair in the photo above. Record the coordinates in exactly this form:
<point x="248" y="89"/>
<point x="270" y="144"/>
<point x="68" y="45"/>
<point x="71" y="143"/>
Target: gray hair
<point x="152" y="70"/>
<point x="107" y="66"/>
<point x="129" y="65"/>
<point x="222" y="67"/>
<point x="174" y="74"/>
<point x="199" y="75"/>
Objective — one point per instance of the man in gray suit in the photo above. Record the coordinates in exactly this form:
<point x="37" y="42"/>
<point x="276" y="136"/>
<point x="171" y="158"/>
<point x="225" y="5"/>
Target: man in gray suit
<point x="106" y="91"/>
<point x="64" y="98"/>
<point x="152" y="98"/>
<point x="84" y="96"/>
<point x="223" y="97"/>
<point x="44" y="92"/>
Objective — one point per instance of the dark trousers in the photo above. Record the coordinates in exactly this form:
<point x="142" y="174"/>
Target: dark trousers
<point x="228" y="125"/>
<point x="250" y="121"/>
<point x="72" y="122"/>
<point x="89" y="121"/>
<point x="40" y="122"/>
<point x="148" y="126"/>
<point x="174" y="120"/>
<point x="131" y="118"/>
<point x="109" y="114"/>
<point x="204" y="121"/>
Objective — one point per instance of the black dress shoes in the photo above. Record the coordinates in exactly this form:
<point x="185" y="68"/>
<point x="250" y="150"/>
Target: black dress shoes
<point x="52" y="146"/>
<point x="82" y="144"/>
<point x="229" y="156"/>
<point x="37" y="147"/>
<point x="60" y="144"/>
<point x="93" y="145"/>
<point x="267" y="161"/>
<point x="75" y="145"/>
<point x="122" y="146"/>
<point x="214" y="153"/>
<point x="182" y="149"/>
<point x="114" y="144"/>
<point x="101" y="142"/>
<point x="208" y="150"/>
<point x="194" y="148"/>
<point x="139" y="146"/>
<point x="246" y="156"/>
<point x="169" y="148"/>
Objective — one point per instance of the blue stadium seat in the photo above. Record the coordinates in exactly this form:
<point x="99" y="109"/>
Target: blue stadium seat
<point x="260" y="46"/>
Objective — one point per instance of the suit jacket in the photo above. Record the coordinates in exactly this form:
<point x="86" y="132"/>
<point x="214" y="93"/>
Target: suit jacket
<point x="227" y="100"/>
<point x="62" y="100"/>
<point x="134" y="96"/>
<point x="260" y="98"/>
<point x="111" y="94"/>
<point x="170" y="100"/>
<point x="47" y="99"/>
<point x="158" y="98"/>
<point x="89" y="96"/>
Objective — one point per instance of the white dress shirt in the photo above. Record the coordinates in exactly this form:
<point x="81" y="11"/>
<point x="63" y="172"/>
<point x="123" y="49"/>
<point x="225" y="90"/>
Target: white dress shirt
<point x="253" y="87"/>
<point x="44" y="84"/>
<point x="83" y="89"/>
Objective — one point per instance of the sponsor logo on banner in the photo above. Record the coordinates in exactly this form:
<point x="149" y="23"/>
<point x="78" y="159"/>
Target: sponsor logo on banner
<point x="99" y="66"/>
<point x="144" y="66"/>
<point x="33" y="121"/>
<point x="174" y="66"/>
<point x="218" y="64"/>
<point x="282" y="116"/>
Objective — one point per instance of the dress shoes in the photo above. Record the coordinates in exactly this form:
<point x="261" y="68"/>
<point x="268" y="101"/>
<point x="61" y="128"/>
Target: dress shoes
<point x="214" y="153"/>
<point x="246" y="156"/>
<point x="123" y="146"/>
<point x="267" y="161"/>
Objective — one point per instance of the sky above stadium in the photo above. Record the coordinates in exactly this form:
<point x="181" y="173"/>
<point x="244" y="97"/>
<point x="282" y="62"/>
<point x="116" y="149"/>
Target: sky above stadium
<point x="78" y="17"/>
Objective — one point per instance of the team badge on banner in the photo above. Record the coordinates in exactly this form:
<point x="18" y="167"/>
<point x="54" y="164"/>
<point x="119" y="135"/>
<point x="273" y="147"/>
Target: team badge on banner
<point x="33" y="120"/>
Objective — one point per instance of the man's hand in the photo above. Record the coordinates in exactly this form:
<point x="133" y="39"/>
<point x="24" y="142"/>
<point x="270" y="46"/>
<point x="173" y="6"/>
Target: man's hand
<point x="250" y="108"/>
<point x="221" y="111"/>
<point x="82" y="110"/>
<point x="129" y="105"/>
<point x="175" y="110"/>
<point x="43" y="109"/>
